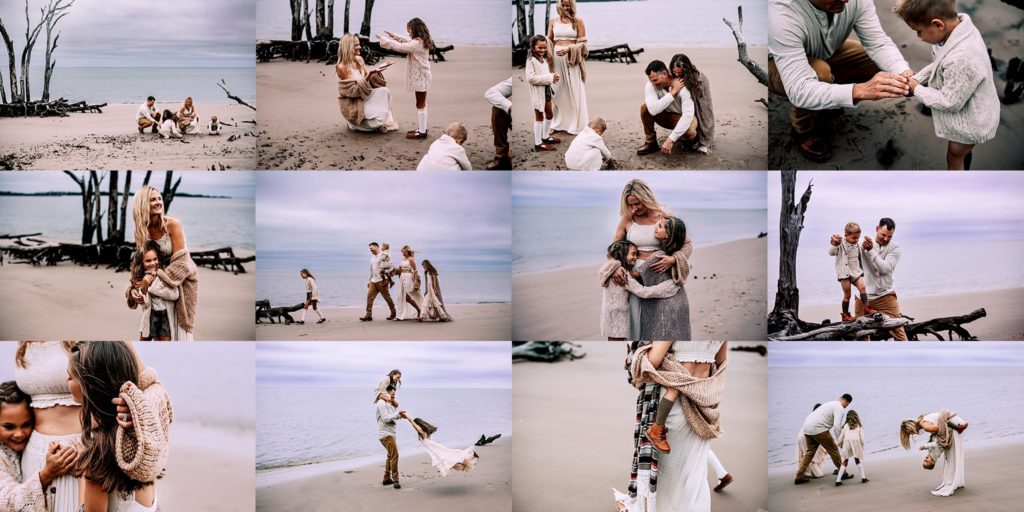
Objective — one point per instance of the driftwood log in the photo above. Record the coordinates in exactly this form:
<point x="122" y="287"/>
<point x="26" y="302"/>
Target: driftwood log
<point x="222" y="259"/>
<point x="326" y="50"/>
<point x="485" y="439"/>
<point x="545" y="351"/>
<point x="758" y="349"/>
<point x="116" y="255"/>
<point x="863" y="327"/>
<point x="223" y="85"/>
<point x="282" y="314"/>
<point x="741" y="47"/>
<point x="951" y="324"/>
<point x="618" y="53"/>
<point x="56" y="108"/>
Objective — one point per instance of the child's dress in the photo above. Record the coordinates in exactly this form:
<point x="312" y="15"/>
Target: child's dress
<point x="417" y="69"/>
<point x="851" y="442"/>
<point x="615" y="304"/>
<point x="959" y="88"/>
<point x="847" y="260"/>
<point x="312" y="293"/>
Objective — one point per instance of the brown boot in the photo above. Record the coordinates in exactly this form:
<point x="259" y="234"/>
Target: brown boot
<point x="366" y="318"/>
<point x="726" y="480"/>
<point x="648" y="148"/>
<point x="814" y="148"/>
<point x="656" y="435"/>
<point x="544" y="147"/>
<point x="500" y="164"/>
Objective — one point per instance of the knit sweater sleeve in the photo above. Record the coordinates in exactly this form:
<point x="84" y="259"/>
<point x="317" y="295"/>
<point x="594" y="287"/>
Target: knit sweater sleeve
<point x="16" y="496"/>
<point x="142" y="451"/>
<point x="535" y="77"/>
<point x="181" y="268"/>
<point x="682" y="267"/>
<point x="662" y="290"/>
<point x="159" y="289"/>
<point x="960" y="80"/>
<point x="402" y="45"/>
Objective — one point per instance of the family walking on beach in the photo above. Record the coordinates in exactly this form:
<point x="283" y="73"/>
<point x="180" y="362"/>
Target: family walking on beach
<point x="412" y="305"/>
<point x="60" y="423"/>
<point x="813" y="62"/>
<point x="173" y="124"/>
<point x="834" y="430"/>
<point x="868" y="266"/>
<point x="444" y="459"/>
<point x="680" y="386"/>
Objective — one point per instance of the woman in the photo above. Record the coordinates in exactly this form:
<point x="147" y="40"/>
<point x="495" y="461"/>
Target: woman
<point x="569" y="37"/>
<point x="433" y="303"/>
<point x="393" y="378"/>
<point x="363" y="98"/>
<point x="641" y="215"/>
<point x="188" y="120"/>
<point x="675" y="481"/>
<point x="946" y="429"/>
<point x="443" y="458"/>
<point x="409" y="298"/>
<point x="181" y="273"/>
<point x="700" y="91"/>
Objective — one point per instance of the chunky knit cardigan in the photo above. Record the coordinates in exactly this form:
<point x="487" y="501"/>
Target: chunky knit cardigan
<point x="945" y="434"/>
<point x="352" y="96"/>
<point x="699" y="397"/>
<point x="17" y="494"/>
<point x="142" y="451"/>
<point x="182" y="272"/>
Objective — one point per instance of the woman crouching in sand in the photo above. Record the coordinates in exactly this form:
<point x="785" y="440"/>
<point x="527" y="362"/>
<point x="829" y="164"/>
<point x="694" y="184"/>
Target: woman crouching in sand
<point x="946" y="440"/>
<point x="363" y="96"/>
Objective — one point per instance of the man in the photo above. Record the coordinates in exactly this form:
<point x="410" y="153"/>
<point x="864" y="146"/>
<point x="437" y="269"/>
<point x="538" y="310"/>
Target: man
<point x="501" y="123"/>
<point x="376" y="285"/>
<point x="879" y="259"/>
<point x="821" y="428"/>
<point x="387" y="413"/>
<point x="147" y="116"/>
<point x="667" y="103"/>
<point x="811" y="62"/>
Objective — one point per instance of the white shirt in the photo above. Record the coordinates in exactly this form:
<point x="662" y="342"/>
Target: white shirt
<point x="445" y="155"/>
<point x="659" y="100"/>
<point x="386" y="416"/>
<point x="499" y="94"/>
<point x="375" y="268"/>
<point x="830" y="416"/>
<point x="799" y="31"/>
<point x="144" y="112"/>
<point x="587" y="151"/>
<point x="878" y="265"/>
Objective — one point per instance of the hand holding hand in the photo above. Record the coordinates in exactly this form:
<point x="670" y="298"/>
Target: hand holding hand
<point x="835" y="240"/>
<point x="663" y="264"/>
<point x="868" y="244"/>
<point x="881" y="86"/>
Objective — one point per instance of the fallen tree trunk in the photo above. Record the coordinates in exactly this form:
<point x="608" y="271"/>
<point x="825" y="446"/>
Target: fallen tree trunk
<point x="57" y="108"/>
<point x="282" y="314"/>
<point x="951" y="324"/>
<point x="545" y="351"/>
<point x="485" y="439"/>
<point x="865" y="326"/>
<point x="618" y="53"/>
<point x="222" y="84"/>
<point x="741" y="48"/>
<point x="326" y="50"/>
<point x="222" y="259"/>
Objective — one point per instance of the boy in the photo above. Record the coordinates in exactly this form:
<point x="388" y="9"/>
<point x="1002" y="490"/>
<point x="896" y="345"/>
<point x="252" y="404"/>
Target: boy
<point x="958" y="84"/>
<point x="848" y="269"/>
<point x="214" y="128"/>
<point x="588" y="151"/>
<point x="447" y="153"/>
<point x="386" y="266"/>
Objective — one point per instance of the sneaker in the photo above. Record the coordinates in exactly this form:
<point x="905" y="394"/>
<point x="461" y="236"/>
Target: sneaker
<point x="398" y="485"/>
<point x="656" y="435"/>
<point x="142" y="130"/>
<point x="704" y="150"/>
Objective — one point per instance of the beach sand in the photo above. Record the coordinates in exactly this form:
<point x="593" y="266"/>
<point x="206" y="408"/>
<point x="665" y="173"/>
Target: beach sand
<point x="574" y="431"/>
<point x="566" y="304"/>
<point x="478" y="322"/>
<point x="899" y="483"/>
<point x="111" y="141"/>
<point x="860" y="132"/>
<point x="69" y="302"/>
<point x="1003" y="321"/>
<point x="486" y="487"/>
<point x="302" y="128"/>
<point x="615" y="92"/>
<point x="209" y="469"/>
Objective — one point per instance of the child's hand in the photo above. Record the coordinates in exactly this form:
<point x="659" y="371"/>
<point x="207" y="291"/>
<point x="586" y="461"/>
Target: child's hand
<point x="557" y="78"/>
<point x="835" y="239"/>
<point x="913" y="86"/>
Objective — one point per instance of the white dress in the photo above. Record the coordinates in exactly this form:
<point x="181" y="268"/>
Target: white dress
<point x="404" y="310"/>
<point x="953" y="466"/>
<point x="814" y="469"/>
<point x="445" y="459"/>
<point x="376" y="108"/>
<point x="570" y="100"/>
<point x="169" y="129"/>
<point x="117" y="504"/>
<point x="851" y="443"/>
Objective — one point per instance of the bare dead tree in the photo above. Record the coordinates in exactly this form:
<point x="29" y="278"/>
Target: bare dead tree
<point x="90" y="186"/>
<point x="547" y="15"/>
<point x="330" y="19"/>
<point x="521" y="22"/>
<point x="532" y="30"/>
<point x="296" y="7"/>
<point x="54" y="13"/>
<point x="785" y="316"/>
<point x="320" y="12"/>
<point x="169" y="190"/>
<point x="31" y="33"/>
<point x="12" y="72"/>
<point x="364" y="29"/>
<point x="145" y="179"/>
<point x="96" y="180"/>
<point x="347" y="4"/>
<point x="124" y="203"/>
<point x="113" y="233"/>
<point x="741" y="47"/>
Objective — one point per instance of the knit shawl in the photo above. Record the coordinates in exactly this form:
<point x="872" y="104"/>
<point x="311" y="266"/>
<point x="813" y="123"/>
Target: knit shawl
<point x="577" y="56"/>
<point x="699" y="397"/>
<point x="352" y="95"/>
<point x="944" y="437"/>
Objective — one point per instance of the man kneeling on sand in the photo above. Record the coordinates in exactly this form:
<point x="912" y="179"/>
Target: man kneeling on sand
<point x="667" y="103"/>
<point x="821" y="428"/>
<point x="147" y="116"/>
<point x="447" y="153"/>
<point x="387" y="413"/>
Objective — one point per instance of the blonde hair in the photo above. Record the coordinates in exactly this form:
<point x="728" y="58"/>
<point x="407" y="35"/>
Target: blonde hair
<point x="19" y="354"/>
<point x="141" y="216"/>
<point x="597" y="123"/>
<point x="188" y="102"/>
<point x="407" y="249"/>
<point x="922" y="12"/>
<point x="851" y="228"/>
<point x="347" y="55"/>
<point x="908" y="428"/>
<point x="571" y="14"/>
<point x="457" y="130"/>
<point x="644" y="193"/>
<point x="385" y="246"/>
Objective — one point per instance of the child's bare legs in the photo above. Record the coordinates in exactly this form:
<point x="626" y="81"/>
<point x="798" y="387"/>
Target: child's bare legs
<point x="845" y="284"/>
<point x="859" y="283"/>
<point x="958" y="156"/>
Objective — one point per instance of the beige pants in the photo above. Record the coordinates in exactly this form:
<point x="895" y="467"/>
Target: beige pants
<point x="665" y="119"/>
<point x="886" y="304"/>
<point x="391" y="466"/>
<point x="824" y="440"/>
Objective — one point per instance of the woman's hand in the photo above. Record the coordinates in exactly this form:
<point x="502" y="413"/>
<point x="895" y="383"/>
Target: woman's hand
<point x="561" y="52"/>
<point x="664" y="263"/>
<point x="677" y="85"/>
<point x="620" y="276"/>
<point x="124" y="416"/>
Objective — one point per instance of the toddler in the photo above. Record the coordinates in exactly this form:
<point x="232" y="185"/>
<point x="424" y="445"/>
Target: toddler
<point x="588" y="151"/>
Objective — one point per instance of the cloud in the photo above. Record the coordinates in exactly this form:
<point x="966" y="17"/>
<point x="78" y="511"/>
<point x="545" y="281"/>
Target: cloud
<point x="895" y="354"/>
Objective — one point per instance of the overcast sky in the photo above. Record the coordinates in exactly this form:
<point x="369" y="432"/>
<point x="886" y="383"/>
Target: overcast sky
<point x="813" y="354"/>
<point x="460" y="221"/>
<point x="690" y="190"/>
<point x="470" y="364"/>
<point x="240" y="184"/>
<point x="926" y="206"/>
<point x="139" y="33"/>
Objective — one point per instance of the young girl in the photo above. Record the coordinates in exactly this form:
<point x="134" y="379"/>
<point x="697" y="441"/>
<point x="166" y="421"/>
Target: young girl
<point x="159" y="321"/>
<point x="169" y="126"/>
<point x="698" y="367"/>
<point x="99" y="372"/>
<point x="851" y="443"/>
<point x="417" y="74"/>
<point x="848" y="269"/>
<point x="312" y="297"/>
<point x="540" y="76"/>
<point x="615" y="304"/>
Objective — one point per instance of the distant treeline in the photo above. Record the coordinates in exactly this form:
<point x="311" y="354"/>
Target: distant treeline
<point x="58" y="193"/>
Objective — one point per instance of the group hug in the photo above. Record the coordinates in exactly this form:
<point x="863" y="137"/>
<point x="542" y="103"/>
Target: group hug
<point x="174" y="124"/>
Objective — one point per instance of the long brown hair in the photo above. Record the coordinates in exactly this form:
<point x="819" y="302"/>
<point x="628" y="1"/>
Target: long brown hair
<point x="853" y="419"/>
<point x="691" y="76"/>
<point x="419" y="30"/>
<point x="676" y="230"/>
<point x="101" y="367"/>
<point x="19" y="355"/>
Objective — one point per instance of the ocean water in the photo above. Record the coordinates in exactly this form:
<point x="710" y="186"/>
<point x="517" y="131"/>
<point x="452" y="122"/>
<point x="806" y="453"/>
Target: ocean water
<point x="348" y="288"/>
<point x="481" y="22"/>
<point x="209" y="223"/>
<point x="549" y="238"/>
<point x="676" y="23"/>
<point x="924" y="268"/>
<point x="883" y="396"/>
<point x="169" y="86"/>
<point x="209" y="383"/>
<point x="307" y="425"/>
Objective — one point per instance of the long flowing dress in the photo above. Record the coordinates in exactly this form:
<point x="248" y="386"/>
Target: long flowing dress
<point x="814" y="469"/>
<point x="376" y="108"/>
<point x="643" y="237"/>
<point x="953" y="467"/>
<point x="663" y="319"/>
<point x="445" y="459"/>
<point x="570" y="100"/>
<point x="404" y="310"/>
<point x="433" y="303"/>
